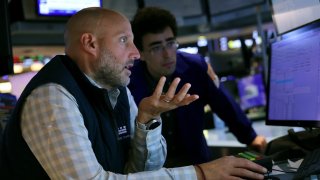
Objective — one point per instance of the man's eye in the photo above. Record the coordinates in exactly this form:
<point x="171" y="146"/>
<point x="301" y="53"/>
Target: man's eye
<point x="123" y="39"/>
<point x="156" y="48"/>
<point x="171" y="44"/>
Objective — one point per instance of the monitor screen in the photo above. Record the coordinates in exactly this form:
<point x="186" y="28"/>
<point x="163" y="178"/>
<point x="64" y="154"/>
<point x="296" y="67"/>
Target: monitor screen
<point x="229" y="62"/>
<point x="291" y="14"/>
<point x="251" y="91"/>
<point x="187" y="13"/>
<point x="294" y="79"/>
<point x="64" y="7"/>
<point x="220" y="7"/>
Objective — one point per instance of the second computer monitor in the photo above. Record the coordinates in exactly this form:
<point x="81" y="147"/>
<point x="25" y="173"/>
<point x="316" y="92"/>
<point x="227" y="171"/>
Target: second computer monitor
<point x="294" y="79"/>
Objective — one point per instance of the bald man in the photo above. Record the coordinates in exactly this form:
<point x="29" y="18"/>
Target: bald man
<point x="76" y="119"/>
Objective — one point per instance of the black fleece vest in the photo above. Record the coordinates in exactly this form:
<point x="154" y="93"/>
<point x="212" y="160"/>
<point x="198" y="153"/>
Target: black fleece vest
<point x="109" y="129"/>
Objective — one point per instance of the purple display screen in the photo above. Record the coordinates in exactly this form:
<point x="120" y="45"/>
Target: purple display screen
<point x="64" y="7"/>
<point x="251" y="91"/>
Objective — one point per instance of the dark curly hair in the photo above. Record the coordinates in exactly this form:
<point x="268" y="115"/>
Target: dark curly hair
<point x="151" y="20"/>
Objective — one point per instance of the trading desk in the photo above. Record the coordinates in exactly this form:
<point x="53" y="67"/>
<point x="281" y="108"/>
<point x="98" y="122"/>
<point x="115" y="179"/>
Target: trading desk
<point x="222" y="143"/>
<point x="223" y="138"/>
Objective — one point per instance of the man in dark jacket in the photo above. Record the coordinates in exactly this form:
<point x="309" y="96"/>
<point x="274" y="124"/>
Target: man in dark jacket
<point x="155" y="33"/>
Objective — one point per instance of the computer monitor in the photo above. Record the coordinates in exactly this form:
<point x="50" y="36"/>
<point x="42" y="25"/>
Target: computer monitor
<point x="251" y="91"/>
<point x="230" y="62"/>
<point x="63" y="7"/>
<point x="294" y="79"/>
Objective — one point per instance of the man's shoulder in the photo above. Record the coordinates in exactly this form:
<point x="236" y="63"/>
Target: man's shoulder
<point x="189" y="56"/>
<point x="190" y="60"/>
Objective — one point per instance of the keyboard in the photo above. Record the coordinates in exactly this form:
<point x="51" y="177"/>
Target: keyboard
<point x="310" y="165"/>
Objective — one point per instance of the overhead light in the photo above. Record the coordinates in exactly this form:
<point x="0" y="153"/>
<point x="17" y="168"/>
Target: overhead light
<point x="234" y="44"/>
<point x="17" y="68"/>
<point x="258" y="40"/>
<point x="202" y="41"/>
<point x="191" y="50"/>
<point x="223" y="43"/>
<point x="248" y="42"/>
<point x="36" y="66"/>
<point x="5" y="87"/>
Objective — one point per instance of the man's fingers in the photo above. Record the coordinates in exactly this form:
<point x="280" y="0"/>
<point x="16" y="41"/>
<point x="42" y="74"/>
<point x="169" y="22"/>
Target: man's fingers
<point x="240" y="172"/>
<point x="179" y="99"/>
<point x="172" y="89"/>
<point x="158" y="91"/>
<point x="182" y="93"/>
<point x="188" y="99"/>
<point x="247" y="164"/>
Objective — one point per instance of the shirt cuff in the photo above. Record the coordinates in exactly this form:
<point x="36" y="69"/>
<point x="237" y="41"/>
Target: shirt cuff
<point x="144" y="136"/>
<point x="185" y="172"/>
<point x="141" y="126"/>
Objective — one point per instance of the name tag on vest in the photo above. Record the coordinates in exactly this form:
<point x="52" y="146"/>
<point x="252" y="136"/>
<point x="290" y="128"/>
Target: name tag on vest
<point x="122" y="132"/>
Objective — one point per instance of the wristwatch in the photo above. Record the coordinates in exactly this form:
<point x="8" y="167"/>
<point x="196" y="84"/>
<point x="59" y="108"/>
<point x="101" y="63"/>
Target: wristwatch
<point x="152" y="124"/>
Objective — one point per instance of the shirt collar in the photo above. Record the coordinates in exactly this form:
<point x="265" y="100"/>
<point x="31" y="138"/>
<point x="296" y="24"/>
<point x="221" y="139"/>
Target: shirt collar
<point x="113" y="93"/>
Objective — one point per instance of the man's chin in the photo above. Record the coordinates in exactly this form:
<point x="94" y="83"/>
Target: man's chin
<point x="169" y="72"/>
<point x="125" y="82"/>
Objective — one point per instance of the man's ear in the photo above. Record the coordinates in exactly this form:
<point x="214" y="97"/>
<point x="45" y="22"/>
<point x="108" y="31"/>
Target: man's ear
<point x="89" y="43"/>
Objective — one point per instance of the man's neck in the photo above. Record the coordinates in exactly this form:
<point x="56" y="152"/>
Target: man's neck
<point x="99" y="85"/>
<point x="152" y="81"/>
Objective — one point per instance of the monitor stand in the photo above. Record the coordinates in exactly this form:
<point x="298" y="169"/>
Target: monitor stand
<point x="308" y="139"/>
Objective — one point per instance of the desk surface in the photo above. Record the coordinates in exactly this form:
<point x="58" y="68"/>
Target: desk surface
<point x="222" y="138"/>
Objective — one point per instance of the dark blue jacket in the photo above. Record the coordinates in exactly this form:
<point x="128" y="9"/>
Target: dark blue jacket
<point x="193" y="69"/>
<point x="101" y="121"/>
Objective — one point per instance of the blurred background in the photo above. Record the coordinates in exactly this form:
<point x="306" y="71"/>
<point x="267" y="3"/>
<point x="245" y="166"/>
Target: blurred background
<point x="232" y="35"/>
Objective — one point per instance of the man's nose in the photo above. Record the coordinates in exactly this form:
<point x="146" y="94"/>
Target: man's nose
<point x="166" y="51"/>
<point x="135" y="53"/>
